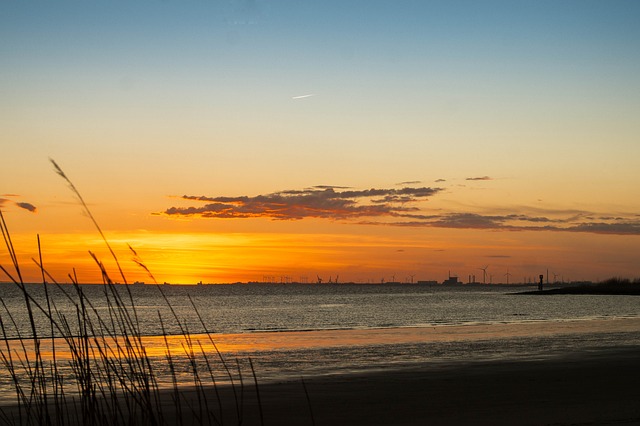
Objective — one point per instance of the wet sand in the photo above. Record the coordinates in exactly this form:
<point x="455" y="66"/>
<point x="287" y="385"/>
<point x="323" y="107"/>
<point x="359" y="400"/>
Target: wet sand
<point x="598" y="388"/>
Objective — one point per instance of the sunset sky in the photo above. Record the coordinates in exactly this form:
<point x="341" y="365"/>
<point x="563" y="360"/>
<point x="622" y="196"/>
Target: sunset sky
<point x="374" y="140"/>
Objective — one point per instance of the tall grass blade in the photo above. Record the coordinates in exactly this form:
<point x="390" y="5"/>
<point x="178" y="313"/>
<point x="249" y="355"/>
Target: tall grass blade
<point x="255" y="381"/>
<point x="88" y="212"/>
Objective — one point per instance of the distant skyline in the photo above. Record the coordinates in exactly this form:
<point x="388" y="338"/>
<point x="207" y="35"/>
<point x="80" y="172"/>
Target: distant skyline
<point x="228" y="141"/>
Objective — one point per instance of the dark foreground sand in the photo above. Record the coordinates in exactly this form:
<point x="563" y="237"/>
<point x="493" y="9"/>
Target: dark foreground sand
<point x="586" y="388"/>
<point x="601" y="388"/>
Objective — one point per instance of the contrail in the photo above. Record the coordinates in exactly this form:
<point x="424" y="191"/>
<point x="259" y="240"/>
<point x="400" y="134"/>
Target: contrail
<point x="303" y="96"/>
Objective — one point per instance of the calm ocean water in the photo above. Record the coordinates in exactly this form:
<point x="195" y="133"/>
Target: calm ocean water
<point x="243" y="308"/>
<point x="303" y="330"/>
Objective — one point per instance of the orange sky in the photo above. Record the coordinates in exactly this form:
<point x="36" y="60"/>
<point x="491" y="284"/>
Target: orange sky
<point x="306" y="249"/>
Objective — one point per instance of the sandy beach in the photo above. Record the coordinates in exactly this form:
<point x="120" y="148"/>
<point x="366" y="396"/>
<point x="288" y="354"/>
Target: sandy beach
<point x="598" y="388"/>
<point x="586" y="388"/>
<point x="571" y="382"/>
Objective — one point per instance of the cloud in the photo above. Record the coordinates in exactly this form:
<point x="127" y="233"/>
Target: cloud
<point x="620" y="228"/>
<point x="469" y="220"/>
<point x="409" y="182"/>
<point x="401" y="207"/>
<point x="27" y="206"/>
<point x="330" y="187"/>
<point x="440" y="180"/>
<point x="479" y="178"/>
<point x="516" y="222"/>
<point x="324" y="202"/>
<point x="303" y="96"/>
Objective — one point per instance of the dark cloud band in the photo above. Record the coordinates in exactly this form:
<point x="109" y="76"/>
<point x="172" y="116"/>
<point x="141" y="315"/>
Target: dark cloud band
<point x="318" y="202"/>
<point x="396" y="207"/>
<point x="27" y="206"/>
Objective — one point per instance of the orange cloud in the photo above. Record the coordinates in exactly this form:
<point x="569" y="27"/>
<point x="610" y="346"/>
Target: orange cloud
<point x="399" y="207"/>
<point x="615" y="226"/>
<point x="23" y="205"/>
<point x="27" y="206"/>
<point x="479" y="178"/>
<point x="318" y="202"/>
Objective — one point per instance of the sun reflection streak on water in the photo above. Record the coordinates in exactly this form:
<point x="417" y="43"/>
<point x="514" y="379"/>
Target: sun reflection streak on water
<point x="257" y="342"/>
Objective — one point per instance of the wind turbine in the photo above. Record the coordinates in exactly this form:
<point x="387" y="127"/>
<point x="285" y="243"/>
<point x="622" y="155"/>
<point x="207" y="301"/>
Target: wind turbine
<point x="484" y="274"/>
<point x="507" y="275"/>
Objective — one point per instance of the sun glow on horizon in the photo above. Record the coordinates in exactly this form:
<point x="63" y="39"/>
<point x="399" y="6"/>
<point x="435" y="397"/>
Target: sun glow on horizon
<point x="189" y="258"/>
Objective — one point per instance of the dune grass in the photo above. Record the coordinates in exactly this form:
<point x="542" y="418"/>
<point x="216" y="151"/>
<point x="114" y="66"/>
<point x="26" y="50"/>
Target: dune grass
<point x="95" y="369"/>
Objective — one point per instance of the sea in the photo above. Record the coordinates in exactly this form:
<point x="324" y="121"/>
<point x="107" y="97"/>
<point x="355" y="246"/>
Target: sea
<point x="304" y="330"/>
